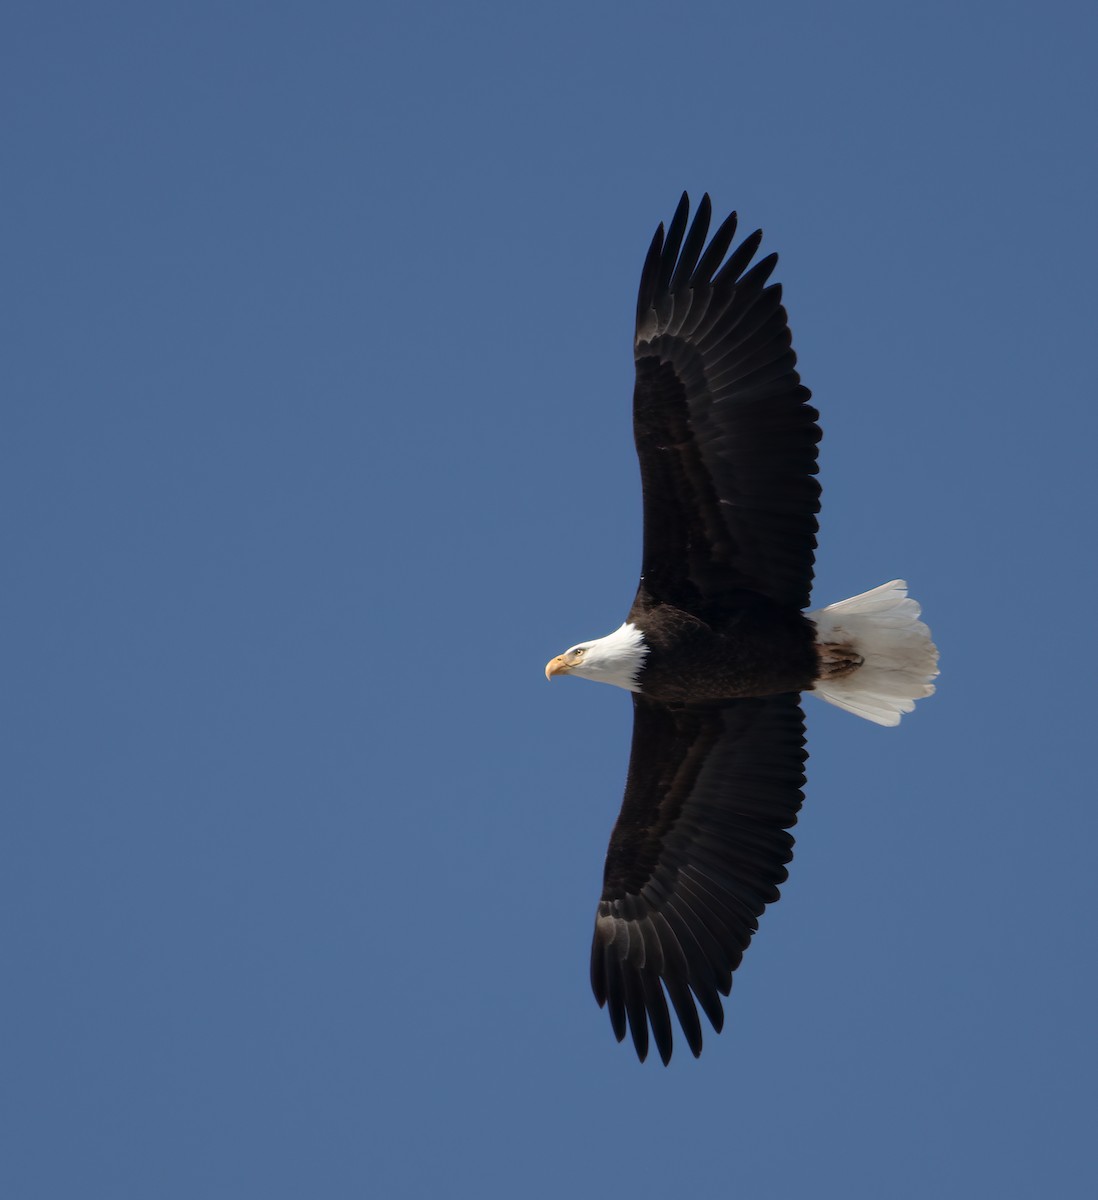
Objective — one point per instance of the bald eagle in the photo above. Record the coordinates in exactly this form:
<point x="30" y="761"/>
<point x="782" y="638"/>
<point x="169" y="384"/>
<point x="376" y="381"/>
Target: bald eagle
<point x="717" y="646"/>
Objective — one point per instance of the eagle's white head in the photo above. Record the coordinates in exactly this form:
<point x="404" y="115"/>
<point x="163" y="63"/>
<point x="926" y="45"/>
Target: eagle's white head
<point x="616" y="658"/>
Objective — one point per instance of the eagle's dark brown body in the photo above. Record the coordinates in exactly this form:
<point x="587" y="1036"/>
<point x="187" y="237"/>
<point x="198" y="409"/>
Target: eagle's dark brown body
<point x="753" y="648"/>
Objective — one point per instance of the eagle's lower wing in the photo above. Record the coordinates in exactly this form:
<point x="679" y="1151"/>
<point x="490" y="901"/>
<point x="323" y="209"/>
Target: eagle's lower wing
<point x="698" y="851"/>
<point x="724" y="432"/>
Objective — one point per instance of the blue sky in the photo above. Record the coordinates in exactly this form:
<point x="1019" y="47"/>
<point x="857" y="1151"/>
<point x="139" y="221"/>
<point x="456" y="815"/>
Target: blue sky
<point x="316" y="447"/>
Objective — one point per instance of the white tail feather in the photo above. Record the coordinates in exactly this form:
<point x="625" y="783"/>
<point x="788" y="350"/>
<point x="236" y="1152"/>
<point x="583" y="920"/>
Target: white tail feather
<point x="882" y="626"/>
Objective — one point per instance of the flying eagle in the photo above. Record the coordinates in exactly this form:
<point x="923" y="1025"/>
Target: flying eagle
<point x="717" y="646"/>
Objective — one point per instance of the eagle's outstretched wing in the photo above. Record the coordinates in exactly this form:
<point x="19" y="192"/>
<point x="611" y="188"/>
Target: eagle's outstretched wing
<point x="698" y="851"/>
<point x="724" y="431"/>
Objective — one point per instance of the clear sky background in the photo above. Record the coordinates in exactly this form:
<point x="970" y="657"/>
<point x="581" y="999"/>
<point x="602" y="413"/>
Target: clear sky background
<point x="316" y="446"/>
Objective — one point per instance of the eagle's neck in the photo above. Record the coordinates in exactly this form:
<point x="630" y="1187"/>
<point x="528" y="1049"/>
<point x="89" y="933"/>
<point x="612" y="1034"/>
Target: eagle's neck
<point x="616" y="658"/>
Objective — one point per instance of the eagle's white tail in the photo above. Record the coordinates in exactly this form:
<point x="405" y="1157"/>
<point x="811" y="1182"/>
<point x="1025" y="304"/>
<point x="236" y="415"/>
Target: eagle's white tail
<point x="882" y="628"/>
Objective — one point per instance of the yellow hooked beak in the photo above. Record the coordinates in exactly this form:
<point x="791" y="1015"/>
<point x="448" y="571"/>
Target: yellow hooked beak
<point x="556" y="666"/>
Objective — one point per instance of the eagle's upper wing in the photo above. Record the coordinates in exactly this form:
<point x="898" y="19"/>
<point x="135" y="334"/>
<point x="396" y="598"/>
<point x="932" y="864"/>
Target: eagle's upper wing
<point x="698" y="851"/>
<point x="724" y="432"/>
